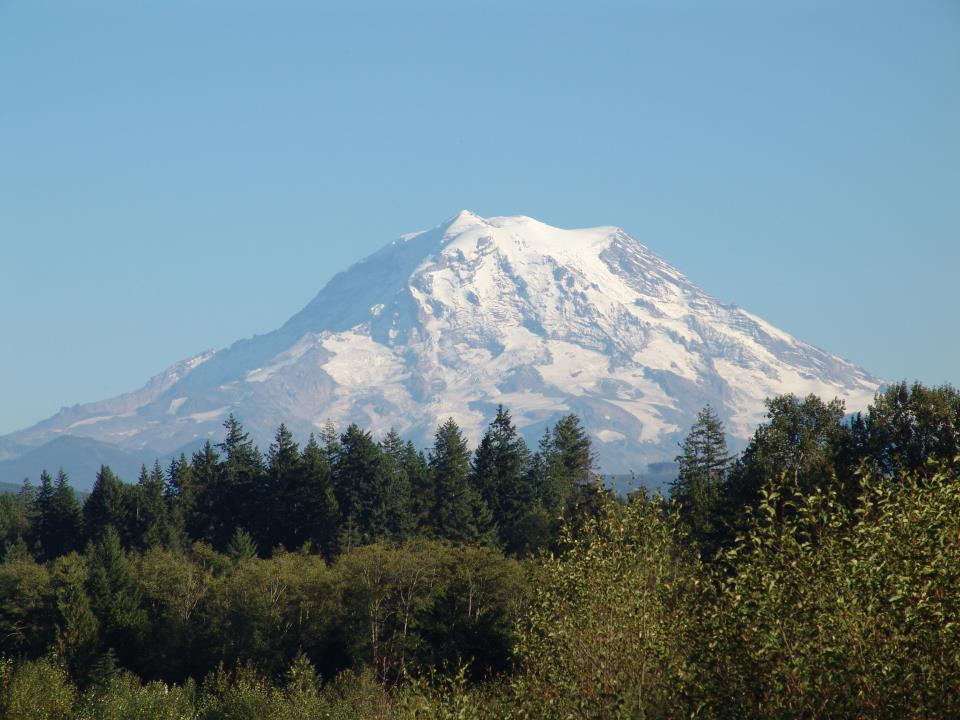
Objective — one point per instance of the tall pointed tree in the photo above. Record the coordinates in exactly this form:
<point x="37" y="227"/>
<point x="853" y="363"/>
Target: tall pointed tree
<point x="457" y="511"/>
<point x="702" y="471"/>
<point x="106" y="506"/>
<point x="149" y="526"/>
<point x="283" y="476"/>
<point x="42" y="520"/>
<point x="202" y="513"/>
<point x="314" y="513"/>
<point x="66" y="519"/>
<point x="398" y="517"/>
<point x="240" y="490"/>
<point x="500" y="473"/>
<point x="115" y="596"/>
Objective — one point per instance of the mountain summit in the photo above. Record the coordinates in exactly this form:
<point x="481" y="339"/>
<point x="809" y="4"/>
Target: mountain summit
<point x="474" y="313"/>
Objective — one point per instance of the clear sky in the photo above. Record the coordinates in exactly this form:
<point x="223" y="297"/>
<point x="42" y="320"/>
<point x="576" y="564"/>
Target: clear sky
<point x="177" y="175"/>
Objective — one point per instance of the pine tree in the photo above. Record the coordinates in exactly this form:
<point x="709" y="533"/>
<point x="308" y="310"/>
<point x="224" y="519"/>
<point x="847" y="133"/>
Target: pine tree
<point x="458" y="512"/>
<point x="42" y="520"/>
<point x="240" y="490"/>
<point x="180" y="493"/>
<point x="107" y="506"/>
<point x="114" y="595"/>
<point x="418" y="475"/>
<point x="149" y="509"/>
<point x="242" y="546"/>
<point x="66" y="519"/>
<point x="500" y="473"/>
<point x="702" y="470"/>
<point x="283" y="476"/>
<point x="399" y="520"/>
<point x="563" y="474"/>
<point x="76" y="625"/>
<point x="314" y="513"/>
<point x="201" y="513"/>
<point x="361" y="485"/>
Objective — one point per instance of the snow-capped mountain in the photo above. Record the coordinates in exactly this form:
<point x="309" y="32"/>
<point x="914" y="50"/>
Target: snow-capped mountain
<point x="473" y="313"/>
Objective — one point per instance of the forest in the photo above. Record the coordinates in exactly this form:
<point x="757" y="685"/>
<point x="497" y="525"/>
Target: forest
<point x="815" y="574"/>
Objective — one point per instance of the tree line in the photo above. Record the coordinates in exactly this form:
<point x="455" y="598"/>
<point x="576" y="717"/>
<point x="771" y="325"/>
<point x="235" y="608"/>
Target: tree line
<point x="812" y="575"/>
<point x="336" y="493"/>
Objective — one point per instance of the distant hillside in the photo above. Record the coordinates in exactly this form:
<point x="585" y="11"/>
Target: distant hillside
<point x="81" y="458"/>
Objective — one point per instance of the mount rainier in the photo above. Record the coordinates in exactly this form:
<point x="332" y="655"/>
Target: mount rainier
<point x="473" y="313"/>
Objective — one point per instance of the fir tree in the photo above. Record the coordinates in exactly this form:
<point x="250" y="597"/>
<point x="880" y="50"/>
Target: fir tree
<point x="362" y="486"/>
<point x="500" y="473"/>
<point x="399" y="518"/>
<point x="149" y="511"/>
<point x="314" y="513"/>
<point x="458" y="512"/>
<point x="239" y="491"/>
<point x="242" y="546"/>
<point x="107" y="506"/>
<point x="202" y="515"/>
<point x="702" y="469"/>
<point x="66" y="519"/>
<point x="283" y="476"/>
<point x="180" y="495"/>
<point x="114" y="594"/>
<point x="42" y="520"/>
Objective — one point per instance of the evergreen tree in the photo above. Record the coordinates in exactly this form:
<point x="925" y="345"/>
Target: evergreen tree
<point x="702" y="469"/>
<point x="239" y="491"/>
<point x="314" y="513"/>
<point x="399" y="519"/>
<point x="149" y="509"/>
<point x="203" y="517"/>
<point x="41" y="517"/>
<point x="418" y="475"/>
<point x="501" y="475"/>
<point x="15" y="511"/>
<point x="115" y="596"/>
<point x="106" y="506"/>
<point x="458" y="512"/>
<point x="283" y="476"/>
<point x="242" y="546"/>
<point x="180" y="493"/>
<point x="66" y="519"/>
<point x="562" y="472"/>
<point x="362" y="484"/>
<point x="76" y="625"/>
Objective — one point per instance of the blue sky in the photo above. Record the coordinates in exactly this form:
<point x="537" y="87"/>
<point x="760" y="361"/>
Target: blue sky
<point x="178" y="175"/>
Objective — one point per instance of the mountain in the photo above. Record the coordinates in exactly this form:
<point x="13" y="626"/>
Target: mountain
<point x="81" y="457"/>
<point x="476" y="312"/>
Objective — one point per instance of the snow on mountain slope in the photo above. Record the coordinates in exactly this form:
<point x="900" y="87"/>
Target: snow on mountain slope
<point x="476" y="312"/>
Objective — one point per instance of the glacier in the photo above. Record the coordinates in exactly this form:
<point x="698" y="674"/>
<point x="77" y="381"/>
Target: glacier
<point x="477" y="312"/>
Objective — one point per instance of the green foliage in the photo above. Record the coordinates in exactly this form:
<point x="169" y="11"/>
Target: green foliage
<point x="800" y="444"/>
<point x="107" y="506"/>
<point x="609" y="629"/>
<point x="829" y="611"/>
<point x="115" y="596"/>
<point x="24" y="593"/>
<point x="76" y="625"/>
<point x="702" y="471"/>
<point x="500" y="475"/>
<point x="908" y="427"/>
<point x="457" y="512"/>
<point x="834" y="593"/>
<point x="36" y="690"/>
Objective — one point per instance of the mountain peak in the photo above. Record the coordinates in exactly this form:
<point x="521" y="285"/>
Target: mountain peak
<point x="482" y="311"/>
